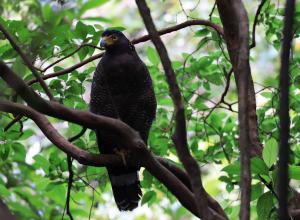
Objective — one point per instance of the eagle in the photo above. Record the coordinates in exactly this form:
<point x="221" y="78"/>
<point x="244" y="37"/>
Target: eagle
<point x="122" y="89"/>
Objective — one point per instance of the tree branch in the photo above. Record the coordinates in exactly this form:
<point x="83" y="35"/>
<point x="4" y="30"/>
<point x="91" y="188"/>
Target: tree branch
<point x="70" y="182"/>
<point x="141" y="155"/>
<point x="222" y="99"/>
<point x="190" y="164"/>
<point x="128" y="136"/>
<point x="27" y="61"/>
<point x="253" y="44"/>
<point x="235" y="21"/>
<point x="284" y="118"/>
<point x="69" y="55"/>
<point x="145" y="38"/>
<point x="5" y="213"/>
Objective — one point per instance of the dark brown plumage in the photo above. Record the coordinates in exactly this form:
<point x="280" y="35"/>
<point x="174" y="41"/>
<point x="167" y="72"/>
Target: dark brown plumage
<point x="122" y="88"/>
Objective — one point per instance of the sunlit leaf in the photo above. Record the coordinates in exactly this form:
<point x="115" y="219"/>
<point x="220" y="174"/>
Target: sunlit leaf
<point x="270" y="152"/>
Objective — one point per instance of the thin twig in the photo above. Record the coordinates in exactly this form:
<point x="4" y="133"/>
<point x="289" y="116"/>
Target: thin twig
<point x="11" y="123"/>
<point x="222" y="99"/>
<point x="91" y="208"/>
<point x="72" y="139"/>
<point x="253" y="44"/>
<point x="69" y="55"/>
<point x="212" y="11"/>
<point x="70" y="181"/>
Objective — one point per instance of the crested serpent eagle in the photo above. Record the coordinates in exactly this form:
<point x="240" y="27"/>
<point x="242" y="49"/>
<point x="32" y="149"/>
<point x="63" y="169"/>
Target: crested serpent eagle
<point x="122" y="88"/>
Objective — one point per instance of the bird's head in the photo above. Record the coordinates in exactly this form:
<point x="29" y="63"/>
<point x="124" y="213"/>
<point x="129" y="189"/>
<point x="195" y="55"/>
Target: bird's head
<point x="114" y="40"/>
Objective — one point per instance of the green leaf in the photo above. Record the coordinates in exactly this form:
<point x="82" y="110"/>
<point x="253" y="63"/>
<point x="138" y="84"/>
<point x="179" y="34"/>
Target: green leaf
<point x="264" y="205"/>
<point x="270" y="152"/>
<point x="148" y="196"/>
<point x="41" y="162"/>
<point x="91" y="4"/>
<point x="147" y="179"/>
<point x="229" y="187"/>
<point x="83" y="52"/>
<point x="203" y="42"/>
<point x="256" y="191"/>
<point x="81" y="30"/>
<point x="267" y="94"/>
<point x="118" y="28"/>
<point x="4" y="191"/>
<point x="9" y="54"/>
<point x="233" y="169"/>
<point x="19" y="152"/>
<point x="26" y="134"/>
<point x="47" y="12"/>
<point x="4" y="151"/>
<point x="294" y="172"/>
<point x="54" y="159"/>
<point x="153" y="56"/>
<point x="202" y="32"/>
<point x="258" y="166"/>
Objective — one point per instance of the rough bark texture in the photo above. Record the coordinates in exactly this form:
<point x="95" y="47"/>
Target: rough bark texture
<point x="284" y="118"/>
<point x="236" y="30"/>
<point x="5" y="213"/>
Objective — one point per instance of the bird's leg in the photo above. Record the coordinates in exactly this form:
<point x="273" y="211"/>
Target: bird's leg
<point x="122" y="153"/>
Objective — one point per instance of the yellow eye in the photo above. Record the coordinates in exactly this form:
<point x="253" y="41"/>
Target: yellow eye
<point x="114" y="37"/>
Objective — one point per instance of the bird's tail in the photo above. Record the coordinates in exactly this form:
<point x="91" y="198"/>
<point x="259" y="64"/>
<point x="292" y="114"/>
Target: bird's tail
<point x="126" y="190"/>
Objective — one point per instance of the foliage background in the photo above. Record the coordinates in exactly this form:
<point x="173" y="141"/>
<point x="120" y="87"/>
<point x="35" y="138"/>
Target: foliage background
<point x="33" y="172"/>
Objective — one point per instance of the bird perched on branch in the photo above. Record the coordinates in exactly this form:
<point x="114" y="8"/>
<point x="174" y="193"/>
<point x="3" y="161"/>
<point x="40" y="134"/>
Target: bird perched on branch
<point x="122" y="88"/>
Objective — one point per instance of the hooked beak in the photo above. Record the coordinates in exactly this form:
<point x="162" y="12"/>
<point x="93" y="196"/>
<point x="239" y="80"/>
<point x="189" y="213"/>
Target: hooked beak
<point x="103" y="43"/>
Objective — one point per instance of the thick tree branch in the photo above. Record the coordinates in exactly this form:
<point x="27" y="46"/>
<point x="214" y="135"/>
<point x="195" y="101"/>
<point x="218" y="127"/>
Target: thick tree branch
<point x="50" y="132"/>
<point x="190" y="164"/>
<point x="128" y="136"/>
<point x="141" y="156"/>
<point x="284" y="117"/>
<point x="80" y="155"/>
<point x="145" y="38"/>
<point x="236" y="29"/>
<point x="26" y="61"/>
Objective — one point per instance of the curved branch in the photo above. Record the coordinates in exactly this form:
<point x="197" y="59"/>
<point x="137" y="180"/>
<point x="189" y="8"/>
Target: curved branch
<point x="180" y="136"/>
<point x="253" y="44"/>
<point x="177" y="27"/>
<point x="141" y="155"/>
<point x="145" y="38"/>
<point x="129" y="137"/>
